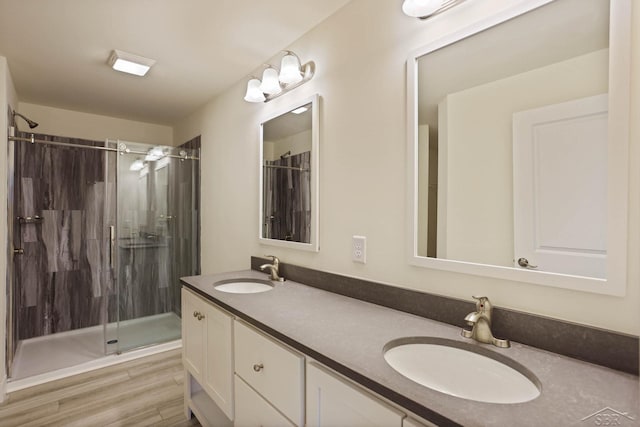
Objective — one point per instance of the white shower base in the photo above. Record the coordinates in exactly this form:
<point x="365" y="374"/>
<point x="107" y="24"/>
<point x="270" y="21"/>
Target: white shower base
<point x="42" y="359"/>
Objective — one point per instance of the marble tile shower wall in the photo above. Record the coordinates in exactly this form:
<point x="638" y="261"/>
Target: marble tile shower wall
<point x="62" y="279"/>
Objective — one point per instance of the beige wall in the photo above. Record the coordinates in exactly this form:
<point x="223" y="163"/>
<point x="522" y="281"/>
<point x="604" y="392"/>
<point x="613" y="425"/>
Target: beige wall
<point x="361" y="55"/>
<point x="479" y="225"/>
<point x="57" y="121"/>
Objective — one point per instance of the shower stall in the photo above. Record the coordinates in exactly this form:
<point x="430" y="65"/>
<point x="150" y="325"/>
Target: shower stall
<point x="100" y="233"/>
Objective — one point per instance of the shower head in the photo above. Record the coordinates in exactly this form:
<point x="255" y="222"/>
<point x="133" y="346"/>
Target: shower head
<point x="285" y="155"/>
<point x="30" y="122"/>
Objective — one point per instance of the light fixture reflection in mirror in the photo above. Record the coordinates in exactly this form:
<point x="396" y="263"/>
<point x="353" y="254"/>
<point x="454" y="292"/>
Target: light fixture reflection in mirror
<point x="289" y="177"/>
<point x="425" y="9"/>
<point x="510" y="154"/>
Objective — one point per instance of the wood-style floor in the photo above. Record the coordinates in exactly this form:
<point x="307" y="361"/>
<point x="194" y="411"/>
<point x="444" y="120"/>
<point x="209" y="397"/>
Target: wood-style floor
<point x="142" y="392"/>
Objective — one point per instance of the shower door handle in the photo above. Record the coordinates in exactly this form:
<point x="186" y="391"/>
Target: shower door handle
<point x="112" y="245"/>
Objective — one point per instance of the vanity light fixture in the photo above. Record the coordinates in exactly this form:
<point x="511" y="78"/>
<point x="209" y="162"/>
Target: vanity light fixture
<point x="424" y="9"/>
<point x="275" y="83"/>
<point x="130" y="63"/>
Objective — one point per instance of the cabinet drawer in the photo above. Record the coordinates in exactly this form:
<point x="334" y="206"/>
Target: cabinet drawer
<point x="252" y="410"/>
<point x="271" y="369"/>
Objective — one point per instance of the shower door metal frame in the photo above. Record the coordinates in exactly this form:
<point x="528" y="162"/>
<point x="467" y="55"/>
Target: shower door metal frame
<point x="9" y="291"/>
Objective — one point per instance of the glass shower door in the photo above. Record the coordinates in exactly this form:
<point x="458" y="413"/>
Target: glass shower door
<point x="147" y="306"/>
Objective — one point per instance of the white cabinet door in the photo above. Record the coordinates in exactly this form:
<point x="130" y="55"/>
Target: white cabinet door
<point x="332" y="402"/>
<point x="207" y="348"/>
<point x="271" y="369"/>
<point x="253" y="411"/>
<point x="193" y="335"/>
<point x="218" y="378"/>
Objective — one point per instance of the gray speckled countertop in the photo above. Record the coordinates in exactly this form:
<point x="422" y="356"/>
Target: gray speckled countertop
<point x="348" y="335"/>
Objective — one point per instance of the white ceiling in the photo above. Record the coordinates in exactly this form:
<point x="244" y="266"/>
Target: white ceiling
<point x="57" y="50"/>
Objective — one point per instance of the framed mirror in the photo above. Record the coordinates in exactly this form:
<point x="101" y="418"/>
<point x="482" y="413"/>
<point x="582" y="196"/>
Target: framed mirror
<point x="289" y="159"/>
<point x="517" y="146"/>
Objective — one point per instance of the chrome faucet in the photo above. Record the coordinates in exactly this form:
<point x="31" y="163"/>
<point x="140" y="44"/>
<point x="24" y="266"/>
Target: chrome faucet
<point x="274" y="273"/>
<point x="480" y="322"/>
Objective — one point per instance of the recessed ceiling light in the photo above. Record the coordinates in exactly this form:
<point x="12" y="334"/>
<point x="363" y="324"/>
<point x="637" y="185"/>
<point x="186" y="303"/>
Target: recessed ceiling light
<point x="130" y="63"/>
<point x="300" y="110"/>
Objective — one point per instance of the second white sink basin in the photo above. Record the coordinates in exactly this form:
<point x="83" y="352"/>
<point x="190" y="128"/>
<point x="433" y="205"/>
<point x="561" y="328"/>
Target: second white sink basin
<point x="243" y="286"/>
<point x="458" y="369"/>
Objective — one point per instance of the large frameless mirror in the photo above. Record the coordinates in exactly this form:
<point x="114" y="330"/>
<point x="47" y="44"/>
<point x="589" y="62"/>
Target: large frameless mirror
<point x="289" y="177"/>
<point x="518" y="139"/>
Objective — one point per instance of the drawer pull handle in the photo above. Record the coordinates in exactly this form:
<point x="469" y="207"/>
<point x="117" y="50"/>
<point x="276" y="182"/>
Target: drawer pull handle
<point x="199" y="315"/>
<point x="258" y="367"/>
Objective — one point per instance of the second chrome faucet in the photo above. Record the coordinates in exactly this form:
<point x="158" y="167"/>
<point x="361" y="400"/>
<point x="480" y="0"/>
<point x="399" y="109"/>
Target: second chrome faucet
<point x="480" y="322"/>
<point x="274" y="269"/>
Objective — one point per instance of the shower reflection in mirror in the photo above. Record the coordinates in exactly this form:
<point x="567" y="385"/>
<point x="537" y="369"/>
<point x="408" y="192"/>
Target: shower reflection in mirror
<point x="289" y="201"/>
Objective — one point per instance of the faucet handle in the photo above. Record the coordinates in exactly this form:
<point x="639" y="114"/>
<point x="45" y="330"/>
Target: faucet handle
<point x="483" y="304"/>
<point x="274" y="258"/>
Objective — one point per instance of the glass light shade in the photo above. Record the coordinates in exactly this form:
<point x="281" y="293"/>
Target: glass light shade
<point x="290" y="69"/>
<point x="254" y="94"/>
<point x="136" y="165"/>
<point x="421" y="8"/>
<point x="270" y="84"/>
<point x="154" y="154"/>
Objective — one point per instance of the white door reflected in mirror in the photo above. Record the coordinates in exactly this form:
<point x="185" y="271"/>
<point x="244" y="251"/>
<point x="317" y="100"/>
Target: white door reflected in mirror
<point x="560" y="187"/>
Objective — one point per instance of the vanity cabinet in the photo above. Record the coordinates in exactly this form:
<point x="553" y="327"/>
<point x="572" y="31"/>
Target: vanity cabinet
<point x="270" y="375"/>
<point x="237" y="375"/>
<point x="252" y="410"/>
<point x="333" y="401"/>
<point x="207" y="351"/>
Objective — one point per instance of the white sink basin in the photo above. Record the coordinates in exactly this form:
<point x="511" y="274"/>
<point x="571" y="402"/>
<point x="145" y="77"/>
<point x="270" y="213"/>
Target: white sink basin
<point x="458" y="369"/>
<point x="243" y="286"/>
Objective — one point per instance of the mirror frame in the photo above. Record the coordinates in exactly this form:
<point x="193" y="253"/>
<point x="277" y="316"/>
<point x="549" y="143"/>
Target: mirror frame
<point x="314" y="244"/>
<point x="617" y="160"/>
